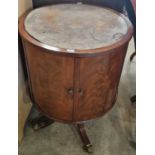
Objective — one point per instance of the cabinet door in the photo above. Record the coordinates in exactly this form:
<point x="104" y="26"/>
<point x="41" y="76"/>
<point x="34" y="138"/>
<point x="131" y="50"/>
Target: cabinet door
<point x="51" y="77"/>
<point x="99" y="78"/>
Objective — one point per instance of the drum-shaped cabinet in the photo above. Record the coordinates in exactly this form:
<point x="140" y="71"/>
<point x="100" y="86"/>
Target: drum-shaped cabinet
<point x="74" y="61"/>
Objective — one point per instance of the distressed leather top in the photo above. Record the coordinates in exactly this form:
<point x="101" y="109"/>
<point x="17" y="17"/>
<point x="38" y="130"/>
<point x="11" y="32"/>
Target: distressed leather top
<point x="76" y="26"/>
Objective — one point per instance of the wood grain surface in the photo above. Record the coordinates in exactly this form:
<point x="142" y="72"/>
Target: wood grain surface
<point x="98" y="82"/>
<point x="51" y="79"/>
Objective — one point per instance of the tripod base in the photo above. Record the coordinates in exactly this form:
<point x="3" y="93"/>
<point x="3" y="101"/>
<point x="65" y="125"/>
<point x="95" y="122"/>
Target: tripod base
<point x="42" y="122"/>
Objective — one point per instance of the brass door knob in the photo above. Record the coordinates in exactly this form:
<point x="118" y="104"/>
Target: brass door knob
<point x="70" y="91"/>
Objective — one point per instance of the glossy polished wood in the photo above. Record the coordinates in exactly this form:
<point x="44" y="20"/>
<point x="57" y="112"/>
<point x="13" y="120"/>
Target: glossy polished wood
<point x="73" y="86"/>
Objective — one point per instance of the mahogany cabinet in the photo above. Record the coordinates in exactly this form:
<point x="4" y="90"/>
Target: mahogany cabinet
<point x="72" y="89"/>
<point x="74" y="64"/>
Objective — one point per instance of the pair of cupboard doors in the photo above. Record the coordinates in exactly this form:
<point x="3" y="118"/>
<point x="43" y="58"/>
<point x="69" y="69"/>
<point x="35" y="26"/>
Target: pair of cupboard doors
<point x="71" y="87"/>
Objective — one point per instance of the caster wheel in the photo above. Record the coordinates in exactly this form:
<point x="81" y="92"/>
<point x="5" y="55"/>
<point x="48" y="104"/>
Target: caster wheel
<point x="40" y="122"/>
<point x="35" y="127"/>
<point x="88" y="148"/>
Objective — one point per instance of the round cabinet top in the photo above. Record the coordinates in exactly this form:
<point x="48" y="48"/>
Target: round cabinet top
<point x="75" y="27"/>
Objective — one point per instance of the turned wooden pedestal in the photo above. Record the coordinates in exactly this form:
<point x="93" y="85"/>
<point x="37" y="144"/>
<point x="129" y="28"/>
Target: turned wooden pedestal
<point x="74" y="55"/>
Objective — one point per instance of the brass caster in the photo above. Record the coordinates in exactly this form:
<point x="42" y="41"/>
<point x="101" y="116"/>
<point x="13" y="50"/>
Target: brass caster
<point x="40" y="122"/>
<point x="38" y="126"/>
<point x="88" y="148"/>
<point x="35" y="127"/>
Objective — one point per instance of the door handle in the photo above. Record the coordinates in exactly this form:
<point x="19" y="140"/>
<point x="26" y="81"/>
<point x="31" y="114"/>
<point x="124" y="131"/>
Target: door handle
<point x="70" y="91"/>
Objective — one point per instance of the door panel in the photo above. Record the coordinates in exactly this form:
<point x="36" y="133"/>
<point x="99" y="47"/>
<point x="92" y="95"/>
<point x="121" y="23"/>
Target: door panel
<point x="51" y="77"/>
<point x="99" y="78"/>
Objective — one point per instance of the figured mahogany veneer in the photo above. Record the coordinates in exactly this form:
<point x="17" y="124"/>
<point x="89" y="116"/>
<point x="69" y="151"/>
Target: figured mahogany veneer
<point x="74" y="86"/>
<point x="73" y="89"/>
